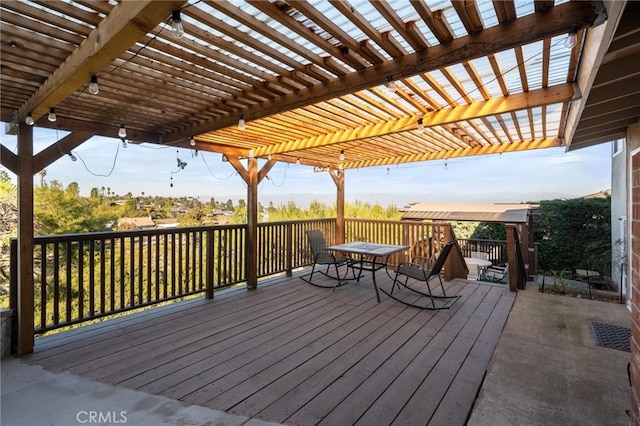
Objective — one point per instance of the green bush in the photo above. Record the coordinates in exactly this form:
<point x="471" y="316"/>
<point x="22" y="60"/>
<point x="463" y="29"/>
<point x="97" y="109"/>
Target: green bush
<point x="574" y="234"/>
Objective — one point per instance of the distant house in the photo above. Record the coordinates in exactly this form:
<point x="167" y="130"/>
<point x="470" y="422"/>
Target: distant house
<point x="136" y="223"/>
<point x="166" y="223"/>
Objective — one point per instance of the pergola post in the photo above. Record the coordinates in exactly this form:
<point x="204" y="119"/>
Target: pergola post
<point x="25" y="241"/>
<point x="338" y="179"/>
<point x="252" y="224"/>
<point x="252" y="178"/>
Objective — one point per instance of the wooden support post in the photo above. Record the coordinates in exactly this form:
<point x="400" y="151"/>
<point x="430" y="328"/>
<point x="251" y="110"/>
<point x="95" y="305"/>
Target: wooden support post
<point x="252" y="178"/>
<point x="338" y="178"/>
<point x="25" y="240"/>
<point x="511" y="256"/>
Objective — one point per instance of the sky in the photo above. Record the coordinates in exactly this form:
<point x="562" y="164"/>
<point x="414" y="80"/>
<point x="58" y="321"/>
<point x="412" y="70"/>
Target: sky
<point x="510" y="177"/>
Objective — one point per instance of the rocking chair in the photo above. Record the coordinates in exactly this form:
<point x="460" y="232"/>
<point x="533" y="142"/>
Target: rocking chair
<point x="422" y="270"/>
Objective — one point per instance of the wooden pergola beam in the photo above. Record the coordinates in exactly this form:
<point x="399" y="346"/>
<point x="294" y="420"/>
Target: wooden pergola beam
<point x="467" y="152"/>
<point x="9" y="160"/>
<point x="555" y="94"/>
<point x="124" y="25"/>
<point x="527" y="29"/>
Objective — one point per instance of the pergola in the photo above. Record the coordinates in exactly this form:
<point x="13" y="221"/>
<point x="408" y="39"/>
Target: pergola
<point x="335" y="85"/>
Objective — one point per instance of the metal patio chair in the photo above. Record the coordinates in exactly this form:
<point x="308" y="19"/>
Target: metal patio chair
<point x="323" y="257"/>
<point x="422" y="270"/>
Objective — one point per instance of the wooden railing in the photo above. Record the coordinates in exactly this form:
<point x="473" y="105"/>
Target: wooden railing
<point x="82" y="277"/>
<point x="86" y="276"/>
<point x="496" y="249"/>
<point x="283" y="246"/>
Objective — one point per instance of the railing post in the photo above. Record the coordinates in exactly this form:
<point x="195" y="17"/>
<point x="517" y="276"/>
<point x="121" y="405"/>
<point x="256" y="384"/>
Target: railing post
<point x="13" y="292"/>
<point x="209" y="263"/>
<point x="511" y="256"/>
<point x="289" y="249"/>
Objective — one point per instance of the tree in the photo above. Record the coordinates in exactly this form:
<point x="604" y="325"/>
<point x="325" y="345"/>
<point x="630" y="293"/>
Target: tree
<point x="192" y="217"/>
<point x="61" y="210"/>
<point x="42" y="174"/>
<point x="8" y="223"/>
<point x="240" y="214"/>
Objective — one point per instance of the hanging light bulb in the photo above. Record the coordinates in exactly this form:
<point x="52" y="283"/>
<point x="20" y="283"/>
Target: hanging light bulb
<point x="251" y="153"/>
<point x="29" y="120"/>
<point x="171" y="184"/>
<point x="420" y="126"/>
<point x="195" y="153"/>
<point x="52" y="115"/>
<point x="298" y="161"/>
<point x="269" y="157"/>
<point x="124" y="143"/>
<point x="93" y="85"/>
<point x="391" y="85"/>
<point x="73" y="157"/>
<point x="572" y="37"/>
<point x="192" y="142"/>
<point x="177" y="30"/>
<point x="341" y="157"/>
<point x="241" y="123"/>
<point x="122" y="133"/>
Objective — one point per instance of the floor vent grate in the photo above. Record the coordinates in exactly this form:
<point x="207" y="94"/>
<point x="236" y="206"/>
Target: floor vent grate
<point x="611" y="336"/>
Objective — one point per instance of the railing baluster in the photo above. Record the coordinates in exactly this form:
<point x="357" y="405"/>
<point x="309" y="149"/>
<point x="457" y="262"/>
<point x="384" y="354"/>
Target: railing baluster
<point x="92" y="276"/>
<point x="80" y="279"/>
<point x="68" y="282"/>
<point x="56" y="283"/>
<point x="43" y="285"/>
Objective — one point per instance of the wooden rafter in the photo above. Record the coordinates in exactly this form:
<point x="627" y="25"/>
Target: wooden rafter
<point x="561" y="93"/>
<point x="114" y="34"/>
<point x="486" y="42"/>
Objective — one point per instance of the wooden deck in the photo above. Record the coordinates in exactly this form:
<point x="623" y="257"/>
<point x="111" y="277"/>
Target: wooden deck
<point x="293" y="353"/>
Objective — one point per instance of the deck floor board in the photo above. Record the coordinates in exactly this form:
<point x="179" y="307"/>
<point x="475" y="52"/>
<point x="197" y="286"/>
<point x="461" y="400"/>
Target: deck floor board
<point x="293" y="353"/>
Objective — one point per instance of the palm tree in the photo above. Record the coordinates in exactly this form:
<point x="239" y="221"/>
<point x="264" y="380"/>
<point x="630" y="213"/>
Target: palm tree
<point x="42" y="174"/>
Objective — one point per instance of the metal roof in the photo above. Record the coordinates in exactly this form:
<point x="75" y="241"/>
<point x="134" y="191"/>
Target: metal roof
<point x="473" y="212"/>
<point x="309" y="78"/>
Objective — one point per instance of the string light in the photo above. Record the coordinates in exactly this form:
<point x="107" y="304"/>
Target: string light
<point x="251" y="153"/>
<point x="73" y="157"/>
<point x="341" y="157"/>
<point x="29" y="120"/>
<point x="94" y="89"/>
<point x="572" y="37"/>
<point x="124" y="143"/>
<point x="391" y="85"/>
<point x="171" y="184"/>
<point x="241" y="123"/>
<point x="195" y="154"/>
<point x="177" y="30"/>
<point x="192" y="141"/>
<point x="122" y="133"/>
<point x="420" y="125"/>
<point x="298" y="161"/>
<point x="52" y="115"/>
<point x="269" y="157"/>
